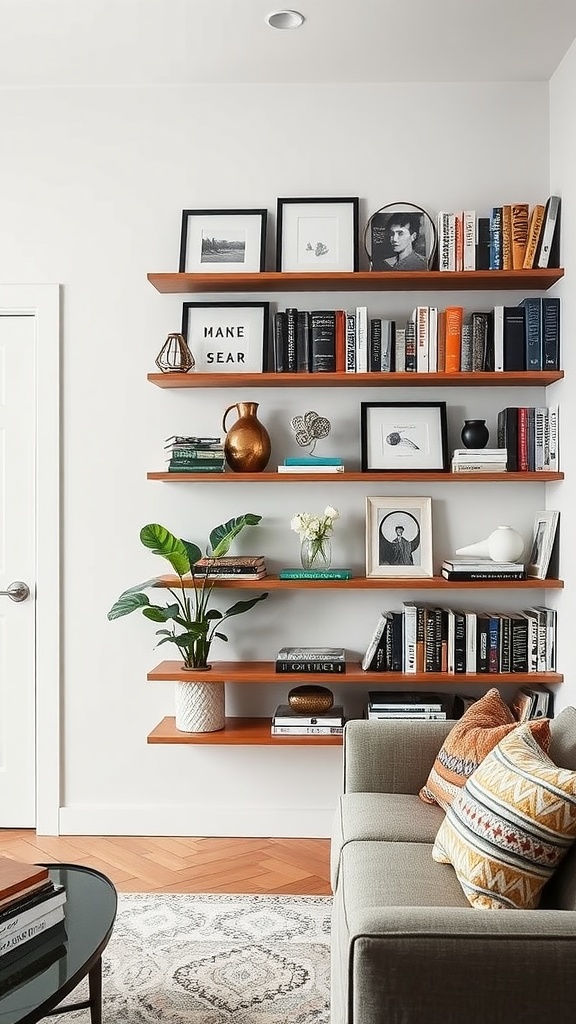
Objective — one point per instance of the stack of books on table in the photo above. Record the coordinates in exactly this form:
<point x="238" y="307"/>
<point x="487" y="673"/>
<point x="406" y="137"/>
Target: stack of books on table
<point x="195" y="454"/>
<point x="229" y="567"/>
<point x="287" y="722"/>
<point x="395" y="704"/>
<point x="31" y="909"/>
<point x="312" y="464"/>
<point x="320" y="660"/>
<point x="479" y="460"/>
<point x="470" y="569"/>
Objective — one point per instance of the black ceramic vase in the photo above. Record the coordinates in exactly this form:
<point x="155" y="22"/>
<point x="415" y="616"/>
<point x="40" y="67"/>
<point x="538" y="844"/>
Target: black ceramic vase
<point x="475" y="434"/>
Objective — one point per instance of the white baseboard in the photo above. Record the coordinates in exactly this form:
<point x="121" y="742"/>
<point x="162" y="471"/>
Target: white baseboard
<point x="245" y="822"/>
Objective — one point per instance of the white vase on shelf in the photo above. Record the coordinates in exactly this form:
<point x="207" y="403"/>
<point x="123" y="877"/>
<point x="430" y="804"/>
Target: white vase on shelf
<point x="504" y="544"/>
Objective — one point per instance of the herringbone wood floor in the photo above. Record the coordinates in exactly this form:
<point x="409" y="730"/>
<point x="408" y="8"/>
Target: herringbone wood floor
<point x="165" y="864"/>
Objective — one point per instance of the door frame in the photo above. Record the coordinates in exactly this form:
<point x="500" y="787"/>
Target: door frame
<point x="42" y="302"/>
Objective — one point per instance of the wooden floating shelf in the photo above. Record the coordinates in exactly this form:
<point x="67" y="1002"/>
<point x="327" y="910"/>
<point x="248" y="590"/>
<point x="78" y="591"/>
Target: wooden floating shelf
<point x="355" y="477"/>
<point x="373" y="281"/>
<point x="273" y="582"/>
<point x="238" y="731"/>
<point x="356" y="380"/>
<point x="264" y="672"/>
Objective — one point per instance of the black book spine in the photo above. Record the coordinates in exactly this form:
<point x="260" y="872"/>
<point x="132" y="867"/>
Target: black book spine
<point x="481" y="642"/>
<point x="280" y="343"/>
<point x="410" y="347"/>
<point x="479" y="322"/>
<point x="375" y="353"/>
<point x="303" y="341"/>
<point x="439" y="637"/>
<point x="291" y="328"/>
<point x="507" y="434"/>
<point x="397" y="652"/>
<point x="514" y="338"/>
<point x="505" y="643"/>
<point x="519" y="643"/>
<point x="323" y="340"/>
<point x="429" y="639"/>
<point x="533" y="332"/>
<point x="483" y="244"/>
<point x="311" y="666"/>
<point x="494" y="643"/>
<point x="551" y="333"/>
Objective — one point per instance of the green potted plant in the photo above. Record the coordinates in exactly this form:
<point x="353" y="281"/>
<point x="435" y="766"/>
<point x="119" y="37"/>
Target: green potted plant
<point x="193" y="626"/>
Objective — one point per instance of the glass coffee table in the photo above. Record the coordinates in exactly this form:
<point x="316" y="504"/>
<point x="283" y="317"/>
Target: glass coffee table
<point x="34" y="986"/>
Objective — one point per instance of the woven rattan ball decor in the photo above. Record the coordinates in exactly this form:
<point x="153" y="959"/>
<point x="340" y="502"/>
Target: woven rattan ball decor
<point x="310" y="700"/>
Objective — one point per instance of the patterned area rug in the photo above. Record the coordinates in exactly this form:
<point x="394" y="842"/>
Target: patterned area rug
<point x="198" y="959"/>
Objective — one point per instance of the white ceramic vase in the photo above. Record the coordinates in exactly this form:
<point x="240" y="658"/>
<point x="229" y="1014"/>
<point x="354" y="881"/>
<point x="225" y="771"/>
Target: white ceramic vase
<point x="503" y="545"/>
<point x="199" y="706"/>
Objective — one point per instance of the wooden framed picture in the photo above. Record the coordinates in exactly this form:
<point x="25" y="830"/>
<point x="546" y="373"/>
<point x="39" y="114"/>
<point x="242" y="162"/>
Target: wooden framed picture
<point x="542" y="557"/>
<point x="223" y="241"/>
<point x="400" y="236"/>
<point x="226" y="337"/>
<point x="403" y="436"/>
<point x="399" y="536"/>
<point x="316" y="235"/>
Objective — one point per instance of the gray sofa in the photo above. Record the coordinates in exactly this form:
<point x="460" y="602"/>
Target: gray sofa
<point x="407" y="947"/>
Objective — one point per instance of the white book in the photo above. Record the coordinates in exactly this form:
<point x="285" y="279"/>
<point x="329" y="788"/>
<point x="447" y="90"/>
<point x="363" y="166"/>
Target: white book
<point x="307" y="730"/>
<point x="553" y="435"/>
<point x="311" y="469"/>
<point x="444" y="255"/>
<point x="400" y="350"/>
<point x="470" y="641"/>
<point x="32" y="929"/>
<point x="451" y="241"/>
<point x="420" y="319"/>
<point x="374" y="641"/>
<point x="432" y="339"/>
<point x="361" y="339"/>
<point x="469" y="235"/>
<point x="350" y="342"/>
<point x="540" y="431"/>
<point x="409" y="636"/>
<point x="437" y="716"/>
<point x="20" y="921"/>
<point x="499" y="338"/>
<point x="451" y="631"/>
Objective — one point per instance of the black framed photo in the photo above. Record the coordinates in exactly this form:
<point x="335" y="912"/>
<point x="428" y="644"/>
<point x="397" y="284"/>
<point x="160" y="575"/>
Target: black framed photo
<point x="227" y="337"/>
<point x="316" y="235"/>
<point x="403" y="436"/>
<point x="223" y="241"/>
<point x="402" y="237"/>
<point x="399" y="536"/>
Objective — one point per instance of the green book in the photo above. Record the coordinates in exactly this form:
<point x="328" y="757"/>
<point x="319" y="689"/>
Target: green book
<point x="196" y="467"/>
<point x="315" y="574"/>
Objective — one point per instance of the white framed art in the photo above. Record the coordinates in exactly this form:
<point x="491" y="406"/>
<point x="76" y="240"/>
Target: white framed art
<point x="399" y="536"/>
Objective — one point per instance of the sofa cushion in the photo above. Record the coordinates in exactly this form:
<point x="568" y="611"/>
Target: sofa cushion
<point x="481" y="727"/>
<point x="511" y="825"/>
<point x="379" y="874"/>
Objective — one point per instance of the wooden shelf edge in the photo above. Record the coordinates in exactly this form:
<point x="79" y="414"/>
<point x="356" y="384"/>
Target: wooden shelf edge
<point x="354" y="380"/>
<point x="354" y="477"/>
<point x="272" y="582"/>
<point x="264" y="672"/>
<point x="236" y="732"/>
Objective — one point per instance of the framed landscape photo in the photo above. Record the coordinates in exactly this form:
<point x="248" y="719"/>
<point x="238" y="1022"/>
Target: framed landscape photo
<point x="400" y="237"/>
<point x="222" y="241"/>
<point x="226" y="337"/>
<point x="399" y="536"/>
<point x="403" y="436"/>
<point x="316" y="235"/>
<point x="543" y="549"/>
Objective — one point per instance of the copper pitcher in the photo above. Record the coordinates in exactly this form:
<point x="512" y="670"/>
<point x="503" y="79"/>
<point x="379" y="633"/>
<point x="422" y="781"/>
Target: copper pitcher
<point x="247" y="443"/>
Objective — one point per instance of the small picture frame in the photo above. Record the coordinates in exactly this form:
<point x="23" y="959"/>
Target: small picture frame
<point x="316" y="235"/>
<point x="227" y="337"/>
<point x="399" y="537"/>
<point x="542" y="557"/>
<point x="403" y="436"/>
<point x="400" y="237"/>
<point x="222" y="241"/>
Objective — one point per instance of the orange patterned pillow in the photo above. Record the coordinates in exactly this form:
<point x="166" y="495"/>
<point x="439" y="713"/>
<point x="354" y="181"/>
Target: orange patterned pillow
<point x="481" y="727"/>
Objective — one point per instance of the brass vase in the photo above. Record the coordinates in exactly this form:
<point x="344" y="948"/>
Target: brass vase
<point x="247" y="444"/>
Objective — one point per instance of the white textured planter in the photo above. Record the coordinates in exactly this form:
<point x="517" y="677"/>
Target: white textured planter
<point x="199" y="706"/>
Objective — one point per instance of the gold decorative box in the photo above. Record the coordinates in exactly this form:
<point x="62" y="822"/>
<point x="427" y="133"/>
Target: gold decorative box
<point x="310" y="700"/>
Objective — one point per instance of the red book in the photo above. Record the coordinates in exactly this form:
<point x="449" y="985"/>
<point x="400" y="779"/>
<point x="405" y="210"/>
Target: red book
<point x="340" y="340"/>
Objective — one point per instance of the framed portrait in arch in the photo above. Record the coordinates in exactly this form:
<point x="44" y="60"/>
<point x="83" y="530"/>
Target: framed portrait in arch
<point x="316" y="235"/>
<point x="403" y="436"/>
<point x="222" y="241"/>
<point x="226" y="337"/>
<point x="399" y="536"/>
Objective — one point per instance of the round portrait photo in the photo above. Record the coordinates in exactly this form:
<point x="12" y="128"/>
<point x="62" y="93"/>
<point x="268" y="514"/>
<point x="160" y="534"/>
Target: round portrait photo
<point x="399" y="539"/>
<point x="402" y="237"/>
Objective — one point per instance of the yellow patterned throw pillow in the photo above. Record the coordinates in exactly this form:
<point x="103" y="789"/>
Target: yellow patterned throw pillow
<point x="510" y="826"/>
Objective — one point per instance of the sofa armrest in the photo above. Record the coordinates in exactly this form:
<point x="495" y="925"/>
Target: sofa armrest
<point x="390" y="757"/>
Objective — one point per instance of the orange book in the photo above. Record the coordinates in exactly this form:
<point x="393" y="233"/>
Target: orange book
<point x="441" y="344"/>
<point x="534" y="229"/>
<point x="454" y="317"/>
<point x="340" y="340"/>
<point x="519" y="234"/>
<point x="17" y="879"/>
<point x="506" y="238"/>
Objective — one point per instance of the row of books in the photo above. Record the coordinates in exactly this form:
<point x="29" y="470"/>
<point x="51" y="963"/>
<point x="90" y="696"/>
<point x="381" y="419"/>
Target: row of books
<point x="195" y="454"/>
<point x="513" y="237"/>
<point x="287" y="722"/>
<point x="396" y="704"/>
<point x="427" y="638"/>
<point x="31" y="909"/>
<point x="530" y="436"/>
<point x="231" y="567"/>
<point x="311" y="659"/>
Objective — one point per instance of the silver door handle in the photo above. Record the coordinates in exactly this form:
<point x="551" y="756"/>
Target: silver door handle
<point x="17" y="591"/>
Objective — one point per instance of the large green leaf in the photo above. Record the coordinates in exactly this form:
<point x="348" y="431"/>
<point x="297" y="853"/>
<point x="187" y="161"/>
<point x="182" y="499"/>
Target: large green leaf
<point x="192" y="550"/>
<point x="128" y="602"/>
<point x="159" y="614"/>
<point x="164" y="543"/>
<point x="222" y="536"/>
<point x="243" y="606"/>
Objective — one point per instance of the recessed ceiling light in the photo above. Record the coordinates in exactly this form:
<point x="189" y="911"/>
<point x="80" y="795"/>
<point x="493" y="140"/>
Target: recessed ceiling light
<point x="285" y="19"/>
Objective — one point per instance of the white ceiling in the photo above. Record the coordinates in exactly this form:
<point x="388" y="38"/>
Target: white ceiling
<point x="174" y="42"/>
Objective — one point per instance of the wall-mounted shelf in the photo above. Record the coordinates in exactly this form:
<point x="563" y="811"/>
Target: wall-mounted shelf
<point x="272" y="582"/>
<point x="356" y="380"/>
<point x="372" y="281"/>
<point x="236" y="732"/>
<point x="355" y="477"/>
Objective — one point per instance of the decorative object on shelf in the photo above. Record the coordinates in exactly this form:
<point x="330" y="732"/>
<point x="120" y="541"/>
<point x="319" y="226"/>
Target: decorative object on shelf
<point x="310" y="428"/>
<point x="222" y="241"/>
<point x="399" y="536"/>
<point x="405" y="436"/>
<point x="543" y="555"/>
<point x="199" y="706"/>
<point x="227" y="337"/>
<point x="315" y="532"/>
<point x="401" y="236"/>
<point x="175" y="356"/>
<point x="504" y="544"/>
<point x="247" y="444"/>
<point x="310" y="700"/>
<point x="475" y="434"/>
<point x="192" y="626"/>
<point x="317" y="235"/>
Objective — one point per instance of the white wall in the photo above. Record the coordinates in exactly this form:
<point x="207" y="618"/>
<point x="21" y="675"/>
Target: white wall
<point x="92" y="185"/>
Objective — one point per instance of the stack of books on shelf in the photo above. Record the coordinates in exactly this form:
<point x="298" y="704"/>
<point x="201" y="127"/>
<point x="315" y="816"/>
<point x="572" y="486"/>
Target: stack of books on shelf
<point x="530" y="436"/>
<point x="195" y="454"/>
<point x="479" y="460"/>
<point x="31" y="909"/>
<point x="531" y="702"/>
<point x="470" y="569"/>
<point x="512" y="237"/>
<point x="231" y="567"/>
<point x="287" y="722"/>
<point x="312" y="464"/>
<point x="320" y="660"/>
<point x="395" y="704"/>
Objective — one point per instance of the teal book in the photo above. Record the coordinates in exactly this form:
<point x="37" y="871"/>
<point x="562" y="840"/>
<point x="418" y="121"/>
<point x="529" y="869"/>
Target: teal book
<point x="315" y="574"/>
<point x="313" y="460"/>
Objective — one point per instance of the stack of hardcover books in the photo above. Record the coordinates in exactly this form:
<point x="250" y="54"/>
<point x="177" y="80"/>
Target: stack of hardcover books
<point x="312" y="464"/>
<point x="287" y="722"/>
<point x="320" y="660"/>
<point x="470" y="569"/>
<point x="479" y="460"/>
<point x="31" y="909"/>
<point x="395" y="704"/>
<point x="298" y="573"/>
<point x="195" y="454"/>
<point x="228" y="567"/>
